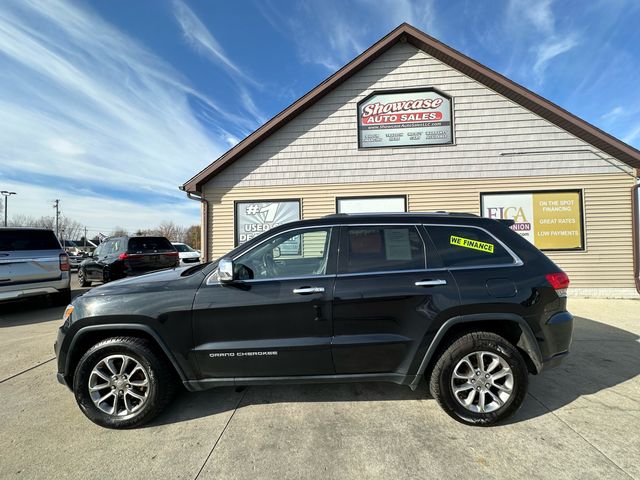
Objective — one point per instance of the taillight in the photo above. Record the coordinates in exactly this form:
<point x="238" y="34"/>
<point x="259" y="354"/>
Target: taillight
<point x="64" y="262"/>
<point x="128" y="256"/>
<point x="560" y="282"/>
<point x="172" y="254"/>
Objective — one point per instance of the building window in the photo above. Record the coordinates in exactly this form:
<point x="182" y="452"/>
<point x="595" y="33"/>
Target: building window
<point x="389" y="204"/>
<point x="253" y="217"/>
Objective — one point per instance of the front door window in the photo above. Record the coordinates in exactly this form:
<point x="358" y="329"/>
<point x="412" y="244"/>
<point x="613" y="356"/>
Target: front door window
<point x="299" y="253"/>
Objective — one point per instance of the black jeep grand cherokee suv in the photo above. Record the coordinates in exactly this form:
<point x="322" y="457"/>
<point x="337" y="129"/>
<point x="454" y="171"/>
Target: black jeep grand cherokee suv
<point x="460" y="300"/>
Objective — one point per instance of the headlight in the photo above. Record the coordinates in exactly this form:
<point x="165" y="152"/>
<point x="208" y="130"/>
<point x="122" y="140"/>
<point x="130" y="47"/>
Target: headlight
<point x="66" y="316"/>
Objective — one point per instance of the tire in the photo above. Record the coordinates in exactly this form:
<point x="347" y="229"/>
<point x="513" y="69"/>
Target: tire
<point x="155" y="383"/>
<point x="82" y="278"/>
<point x="507" y="381"/>
<point x="62" y="298"/>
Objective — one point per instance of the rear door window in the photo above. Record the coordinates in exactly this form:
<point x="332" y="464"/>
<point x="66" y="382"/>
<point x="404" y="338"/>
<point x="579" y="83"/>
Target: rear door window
<point x="20" y="240"/>
<point x="460" y="246"/>
<point x="382" y="249"/>
<point x="149" y="245"/>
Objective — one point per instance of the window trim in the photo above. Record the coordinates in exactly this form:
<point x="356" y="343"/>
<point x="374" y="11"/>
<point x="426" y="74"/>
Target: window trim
<point x="517" y="261"/>
<point x="342" y="254"/>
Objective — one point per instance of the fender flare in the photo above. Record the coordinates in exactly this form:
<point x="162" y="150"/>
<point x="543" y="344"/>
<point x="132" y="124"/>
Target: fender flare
<point x="527" y="340"/>
<point x="123" y="326"/>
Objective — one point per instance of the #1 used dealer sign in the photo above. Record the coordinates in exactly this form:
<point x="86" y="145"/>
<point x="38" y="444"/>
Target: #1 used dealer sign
<point x="402" y="118"/>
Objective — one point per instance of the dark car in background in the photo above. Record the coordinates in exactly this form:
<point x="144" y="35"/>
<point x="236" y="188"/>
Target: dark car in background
<point x="460" y="301"/>
<point x="120" y="257"/>
<point x="33" y="263"/>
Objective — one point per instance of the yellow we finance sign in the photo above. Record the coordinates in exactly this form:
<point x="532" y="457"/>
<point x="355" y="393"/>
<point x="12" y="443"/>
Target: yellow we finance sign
<point x="473" y="244"/>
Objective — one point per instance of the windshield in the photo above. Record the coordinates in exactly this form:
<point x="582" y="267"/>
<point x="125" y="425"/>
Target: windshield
<point x="181" y="247"/>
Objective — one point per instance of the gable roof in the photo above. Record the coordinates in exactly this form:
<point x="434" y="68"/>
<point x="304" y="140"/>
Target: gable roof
<point x="407" y="33"/>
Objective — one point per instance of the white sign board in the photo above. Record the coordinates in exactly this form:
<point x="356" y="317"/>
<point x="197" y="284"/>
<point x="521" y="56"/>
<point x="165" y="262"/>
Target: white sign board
<point x="371" y="205"/>
<point x="405" y="118"/>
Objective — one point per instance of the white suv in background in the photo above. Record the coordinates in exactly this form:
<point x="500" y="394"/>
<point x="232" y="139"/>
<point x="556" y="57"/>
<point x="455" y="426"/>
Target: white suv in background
<point x="188" y="256"/>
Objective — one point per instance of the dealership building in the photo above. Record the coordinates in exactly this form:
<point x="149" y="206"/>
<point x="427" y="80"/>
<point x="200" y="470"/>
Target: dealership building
<point x="413" y="125"/>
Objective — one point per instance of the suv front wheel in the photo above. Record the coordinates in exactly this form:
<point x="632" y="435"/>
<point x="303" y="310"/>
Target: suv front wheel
<point x="122" y="382"/>
<point x="480" y="379"/>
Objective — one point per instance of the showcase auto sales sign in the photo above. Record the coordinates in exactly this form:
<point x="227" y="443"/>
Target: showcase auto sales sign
<point x="401" y="118"/>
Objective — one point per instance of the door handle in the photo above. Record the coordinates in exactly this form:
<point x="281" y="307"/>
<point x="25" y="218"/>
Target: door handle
<point x="430" y="283"/>
<point x="308" y="290"/>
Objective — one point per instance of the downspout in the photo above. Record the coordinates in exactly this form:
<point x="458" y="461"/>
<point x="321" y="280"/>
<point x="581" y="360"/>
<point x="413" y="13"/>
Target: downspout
<point x="204" y="229"/>
<point x="635" y="232"/>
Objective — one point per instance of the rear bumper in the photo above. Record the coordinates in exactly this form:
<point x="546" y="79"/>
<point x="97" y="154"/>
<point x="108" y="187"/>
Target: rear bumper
<point x="25" y="290"/>
<point x="557" y="333"/>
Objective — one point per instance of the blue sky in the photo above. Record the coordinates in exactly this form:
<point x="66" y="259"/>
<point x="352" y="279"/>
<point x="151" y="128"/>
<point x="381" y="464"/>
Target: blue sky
<point x="109" y="106"/>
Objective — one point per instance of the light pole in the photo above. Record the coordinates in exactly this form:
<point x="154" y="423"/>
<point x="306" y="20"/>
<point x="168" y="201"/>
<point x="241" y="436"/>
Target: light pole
<point x="6" y="194"/>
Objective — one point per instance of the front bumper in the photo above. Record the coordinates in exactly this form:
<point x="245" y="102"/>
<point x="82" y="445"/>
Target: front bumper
<point x="61" y="356"/>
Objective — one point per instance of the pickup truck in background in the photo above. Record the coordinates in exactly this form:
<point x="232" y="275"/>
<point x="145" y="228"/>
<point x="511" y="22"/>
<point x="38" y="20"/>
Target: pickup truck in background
<point x="32" y="264"/>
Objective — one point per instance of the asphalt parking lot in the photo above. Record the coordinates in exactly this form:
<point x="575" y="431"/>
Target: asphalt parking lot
<point x="580" y="420"/>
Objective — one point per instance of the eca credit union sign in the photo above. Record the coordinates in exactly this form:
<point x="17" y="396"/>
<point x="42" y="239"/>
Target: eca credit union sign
<point x="551" y="220"/>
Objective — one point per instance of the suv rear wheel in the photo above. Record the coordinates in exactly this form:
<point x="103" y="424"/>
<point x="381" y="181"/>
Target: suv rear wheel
<point x="122" y="383"/>
<point x="479" y="379"/>
<point x="82" y="278"/>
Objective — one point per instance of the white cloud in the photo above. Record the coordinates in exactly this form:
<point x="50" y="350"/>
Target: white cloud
<point x="547" y="51"/>
<point x="81" y="206"/>
<point x="197" y="34"/>
<point x="331" y="33"/>
<point x="613" y="114"/>
<point x="534" y="39"/>
<point x="81" y="101"/>
<point x="201" y="39"/>
<point x="632" y="135"/>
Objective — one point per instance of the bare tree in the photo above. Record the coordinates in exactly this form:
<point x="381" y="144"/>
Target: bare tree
<point x="22" y="220"/>
<point x="119" y="232"/>
<point x="170" y="230"/>
<point x="192" y="236"/>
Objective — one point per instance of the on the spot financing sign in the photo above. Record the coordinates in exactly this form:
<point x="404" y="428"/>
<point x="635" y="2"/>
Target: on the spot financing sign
<point x="401" y="118"/>
<point x="551" y="220"/>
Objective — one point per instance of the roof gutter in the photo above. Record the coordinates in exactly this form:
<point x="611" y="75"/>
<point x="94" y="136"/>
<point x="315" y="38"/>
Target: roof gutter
<point x="204" y="225"/>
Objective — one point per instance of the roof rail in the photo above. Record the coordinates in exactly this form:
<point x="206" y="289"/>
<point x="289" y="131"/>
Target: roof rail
<point x="439" y="212"/>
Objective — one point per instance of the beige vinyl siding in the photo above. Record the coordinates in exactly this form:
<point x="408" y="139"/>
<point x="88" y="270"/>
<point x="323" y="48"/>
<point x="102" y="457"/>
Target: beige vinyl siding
<point x="494" y="137"/>
<point x="605" y="263"/>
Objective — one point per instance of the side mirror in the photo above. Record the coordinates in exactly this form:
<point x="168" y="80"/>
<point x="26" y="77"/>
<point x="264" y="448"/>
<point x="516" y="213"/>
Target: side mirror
<point x="225" y="270"/>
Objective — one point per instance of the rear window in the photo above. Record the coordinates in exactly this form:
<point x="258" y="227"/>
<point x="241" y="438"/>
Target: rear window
<point x="468" y="247"/>
<point x="149" y="244"/>
<point x="380" y="249"/>
<point x="17" y="240"/>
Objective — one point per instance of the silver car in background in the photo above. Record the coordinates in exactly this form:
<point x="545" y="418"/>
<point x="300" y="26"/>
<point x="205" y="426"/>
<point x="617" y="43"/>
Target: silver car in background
<point x="33" y="263"/>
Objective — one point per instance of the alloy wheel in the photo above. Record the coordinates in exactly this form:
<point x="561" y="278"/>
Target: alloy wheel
<point x="482" y="382"/>
<point x="119" y="385"/>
